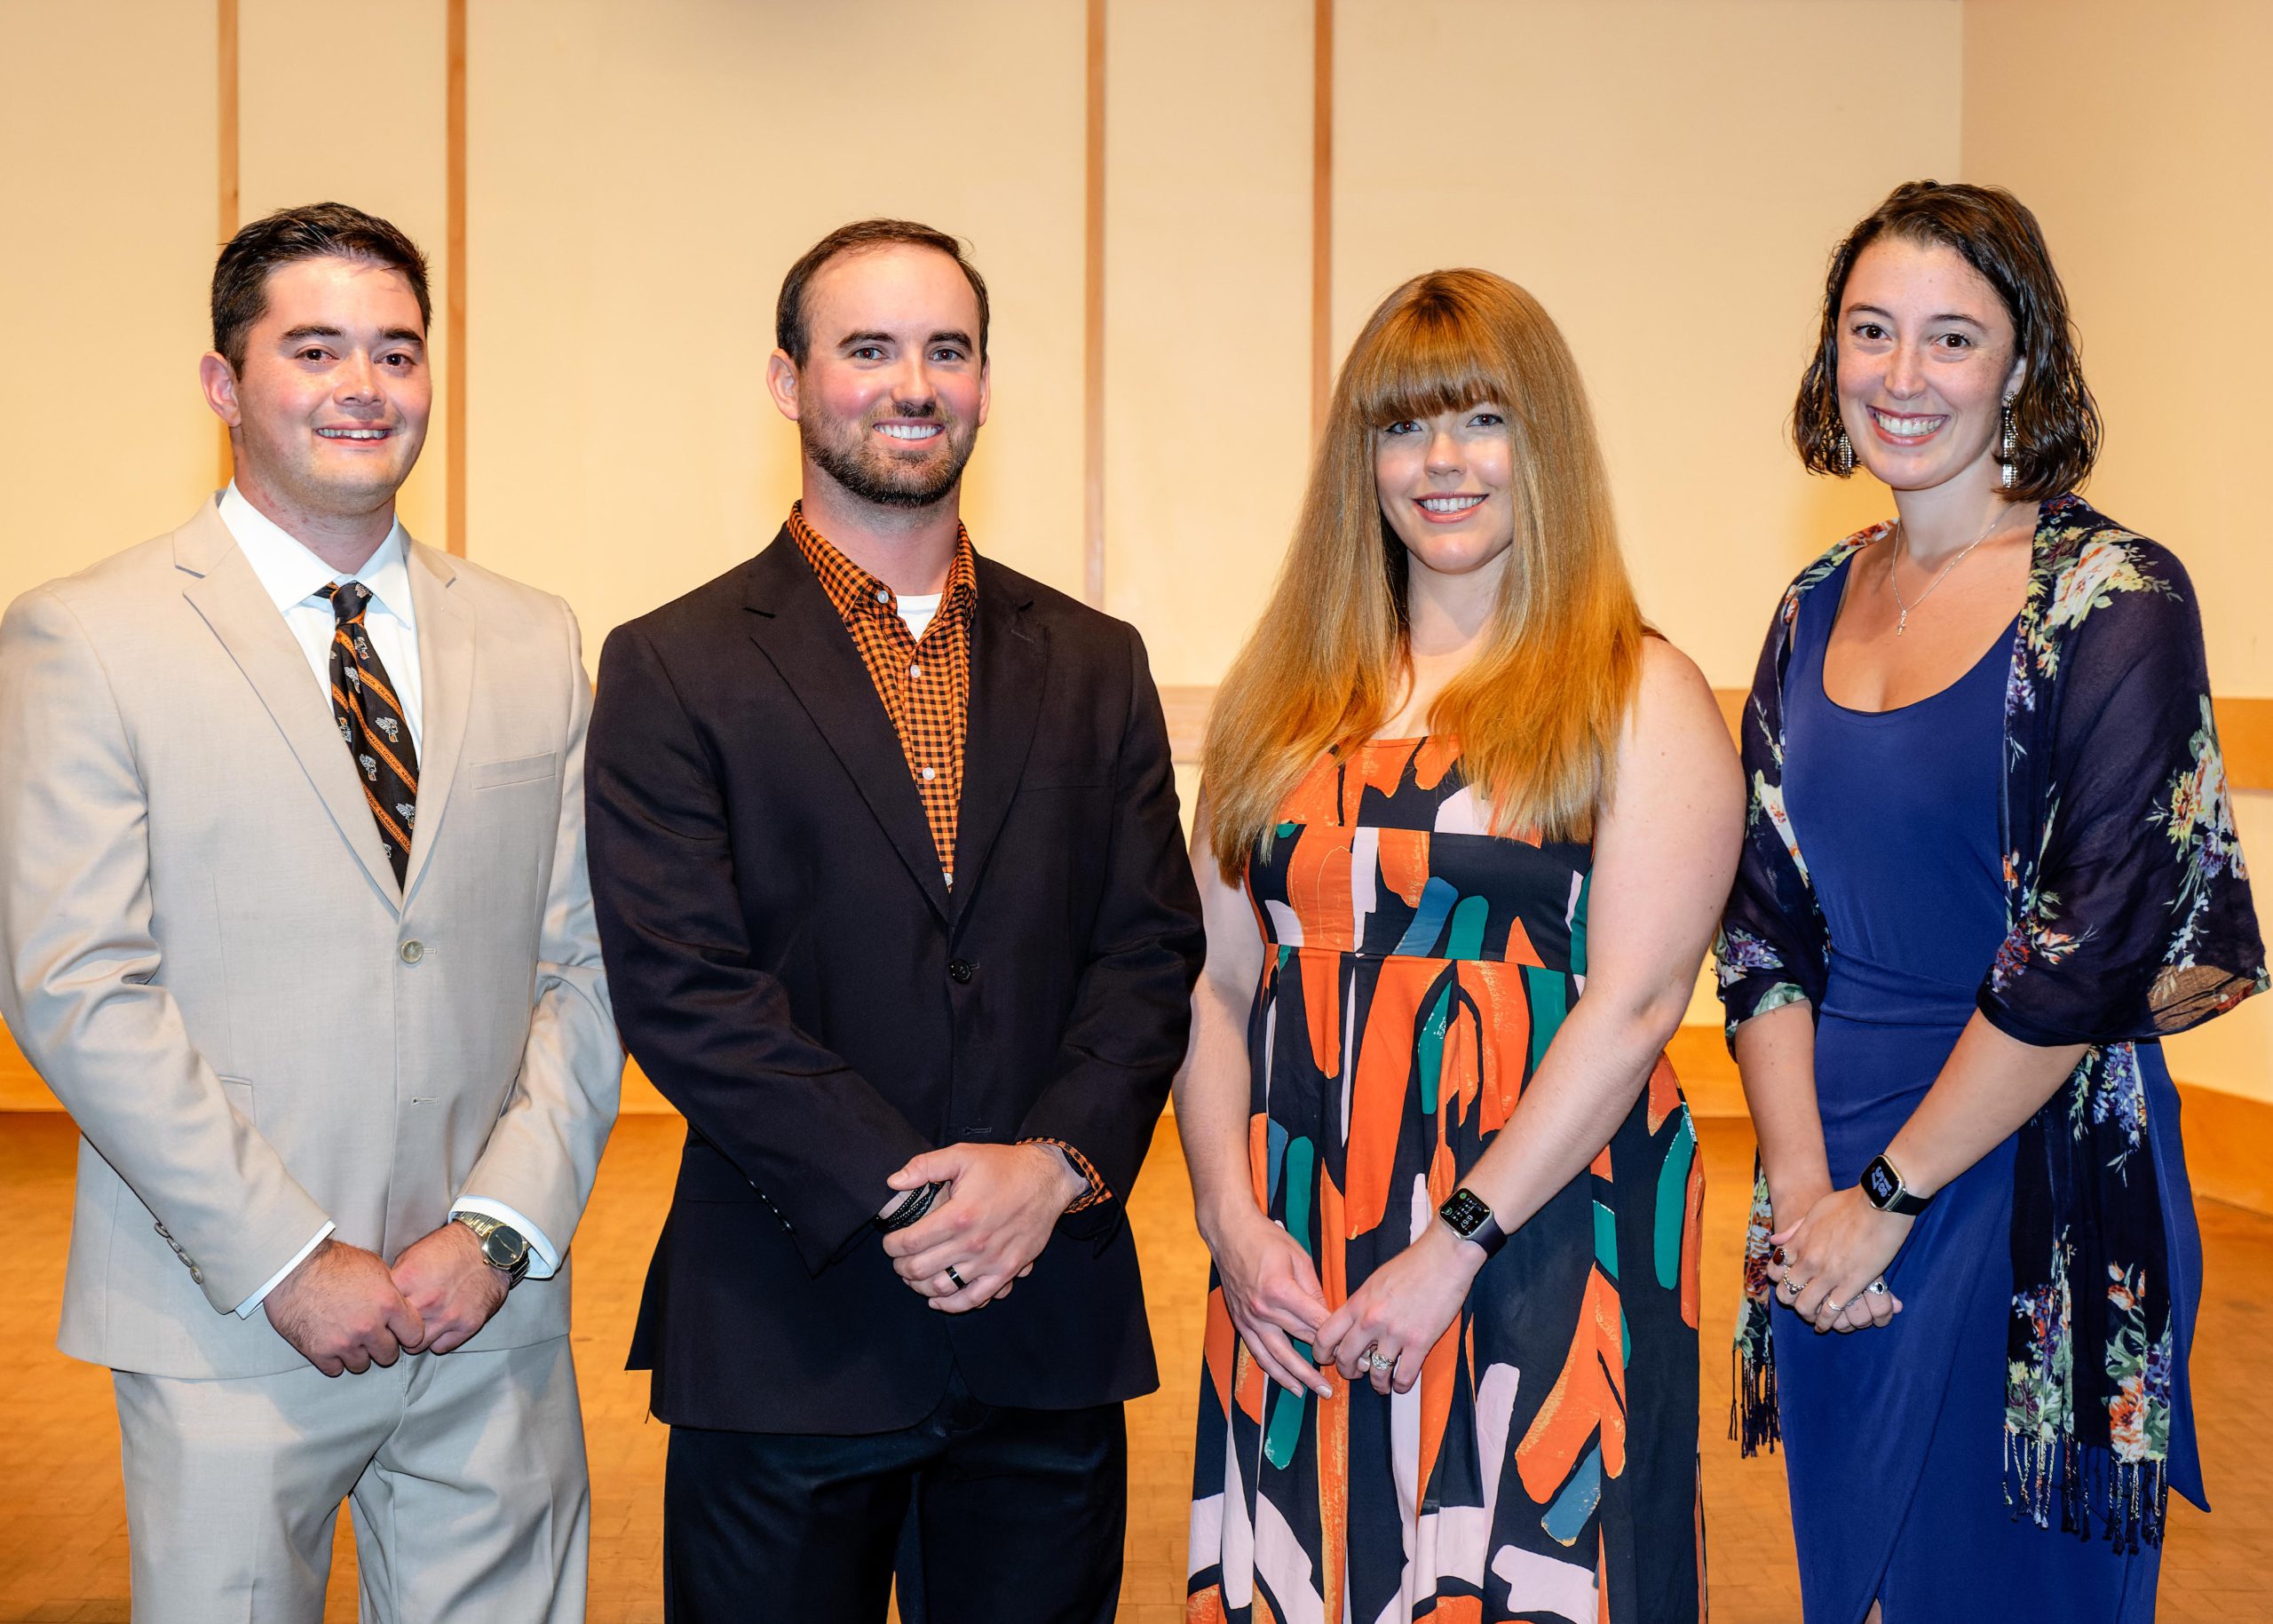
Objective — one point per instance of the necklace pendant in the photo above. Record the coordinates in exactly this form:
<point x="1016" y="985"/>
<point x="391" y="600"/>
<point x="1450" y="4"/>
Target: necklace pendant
<point x="1902" y="623"/>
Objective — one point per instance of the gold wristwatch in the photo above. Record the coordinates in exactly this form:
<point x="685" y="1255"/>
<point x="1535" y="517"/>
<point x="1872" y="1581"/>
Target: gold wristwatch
<point x="503" y="1247"/>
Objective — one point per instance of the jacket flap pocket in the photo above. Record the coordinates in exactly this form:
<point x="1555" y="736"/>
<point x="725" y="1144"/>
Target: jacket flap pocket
<point x="520" y="769"/>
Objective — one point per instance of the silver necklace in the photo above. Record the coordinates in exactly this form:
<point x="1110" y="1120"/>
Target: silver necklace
<point x="1902" y="619"/>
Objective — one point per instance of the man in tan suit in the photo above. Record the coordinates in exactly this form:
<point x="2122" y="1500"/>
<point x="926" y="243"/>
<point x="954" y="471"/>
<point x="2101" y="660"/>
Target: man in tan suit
<point x="295" y="920"/>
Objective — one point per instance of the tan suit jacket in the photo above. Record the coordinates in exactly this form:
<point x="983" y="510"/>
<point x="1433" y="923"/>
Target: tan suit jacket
<point x="207" y="957"/>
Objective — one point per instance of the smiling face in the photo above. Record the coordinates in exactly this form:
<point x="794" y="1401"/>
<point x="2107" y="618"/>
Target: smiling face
<point x="1927" y="357"/>
<point x="889" y="398"/>
<point x="1447" y="486"/>
<point x="329" y="408"/>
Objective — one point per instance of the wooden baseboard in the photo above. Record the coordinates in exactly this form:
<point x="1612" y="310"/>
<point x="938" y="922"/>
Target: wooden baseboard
<point x="2229" y="1147"/>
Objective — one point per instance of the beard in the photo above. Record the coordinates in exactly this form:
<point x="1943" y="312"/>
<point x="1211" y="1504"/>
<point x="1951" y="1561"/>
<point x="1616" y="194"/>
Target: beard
<point x="864" y="463"/>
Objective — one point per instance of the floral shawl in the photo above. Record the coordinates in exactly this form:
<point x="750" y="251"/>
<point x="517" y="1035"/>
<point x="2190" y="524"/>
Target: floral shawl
<point x="2128" y="914"/>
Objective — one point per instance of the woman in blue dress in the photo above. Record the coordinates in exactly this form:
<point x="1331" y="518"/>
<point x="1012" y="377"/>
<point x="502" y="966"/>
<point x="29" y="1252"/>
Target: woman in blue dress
<point x="1989" y="861"/>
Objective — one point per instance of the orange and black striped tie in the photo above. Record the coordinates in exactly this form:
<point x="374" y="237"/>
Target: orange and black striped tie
<point x="371" y="721"/>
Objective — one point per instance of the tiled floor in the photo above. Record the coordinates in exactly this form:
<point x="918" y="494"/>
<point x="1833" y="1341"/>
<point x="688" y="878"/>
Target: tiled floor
<point x="62" y="1534"/>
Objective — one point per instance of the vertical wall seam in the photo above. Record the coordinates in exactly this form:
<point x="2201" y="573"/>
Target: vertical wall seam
<point x="226" y="162"/>
<point x="454" y="380"/>
<point x="1321" y="211"/>
<point x="1093" y="315"/>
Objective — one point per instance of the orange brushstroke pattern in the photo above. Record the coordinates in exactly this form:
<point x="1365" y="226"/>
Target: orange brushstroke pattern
<point x="1404" y="863"/>
<point x="1334" y="1494"/>
<point x="1322" y="1008"/>
<point x="1249" y="1385"/>
<point x="1318" y="889"/>
<point x="1665" y="1093"/>
<point x="1692" y="1231"/>
<point x="1434" y="759"/>
<point x="1589" y="1396"/>
<point x="1378" y="1091"/>
<point x="1219" y="1350"/>
<point x="1503" y="1028"/>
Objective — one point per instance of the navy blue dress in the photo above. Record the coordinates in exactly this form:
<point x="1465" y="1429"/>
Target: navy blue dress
<point x="1892" y="1436"/>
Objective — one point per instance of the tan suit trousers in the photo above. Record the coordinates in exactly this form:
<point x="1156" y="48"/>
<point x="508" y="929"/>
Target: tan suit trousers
<point x="465" y="1470"/>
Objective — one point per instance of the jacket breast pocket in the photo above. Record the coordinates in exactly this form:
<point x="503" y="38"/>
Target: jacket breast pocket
<point x="1067" y="772"/>
<point x="518" y="770"/>
<point x="238" y="1093"/>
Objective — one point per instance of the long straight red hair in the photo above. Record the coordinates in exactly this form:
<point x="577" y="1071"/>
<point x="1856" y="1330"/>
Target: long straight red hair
<point x="1539" y="710"/>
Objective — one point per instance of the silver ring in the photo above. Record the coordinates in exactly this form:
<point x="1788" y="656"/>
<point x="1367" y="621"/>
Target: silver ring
<point x="957" y="1279"/>
<point x="1836" y="1308"/>
<point x="1877" y="1287"/>
<point x="1380" y="1361"/>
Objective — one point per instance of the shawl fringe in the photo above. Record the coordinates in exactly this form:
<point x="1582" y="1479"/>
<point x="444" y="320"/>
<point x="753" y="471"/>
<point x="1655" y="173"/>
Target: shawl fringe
<point x="1754" y="1422"/>
<point x="2130" y="1499"/>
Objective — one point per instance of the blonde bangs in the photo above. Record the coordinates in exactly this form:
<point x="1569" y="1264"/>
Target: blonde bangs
<point x="1539" y="710"/>
<point x="1422" y="363"/>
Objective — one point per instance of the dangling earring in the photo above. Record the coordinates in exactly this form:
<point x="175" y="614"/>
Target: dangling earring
<point x="1846" y="454"/>
<point x="2007" y="453"/>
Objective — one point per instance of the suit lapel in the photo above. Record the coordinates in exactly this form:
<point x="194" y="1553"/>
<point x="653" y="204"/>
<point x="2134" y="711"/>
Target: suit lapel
<point x="446" y="643"/>
<point x="227" y="593"/>
<point x="1010" y="657"/>
<point x="796" y="626"/>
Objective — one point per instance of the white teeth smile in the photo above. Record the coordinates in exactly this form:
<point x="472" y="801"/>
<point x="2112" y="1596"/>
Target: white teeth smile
<point x="1451" y="504"/>
<point x="353" y="433"/>
<point x="910" y="431"/>
<point x="1906" y="428"/>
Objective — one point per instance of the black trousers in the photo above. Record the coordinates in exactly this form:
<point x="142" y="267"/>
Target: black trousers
<point x="1012" y="1517"/>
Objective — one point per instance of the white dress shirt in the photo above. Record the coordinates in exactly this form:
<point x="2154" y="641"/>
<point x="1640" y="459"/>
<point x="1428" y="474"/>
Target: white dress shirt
<point x="293" y="577"/>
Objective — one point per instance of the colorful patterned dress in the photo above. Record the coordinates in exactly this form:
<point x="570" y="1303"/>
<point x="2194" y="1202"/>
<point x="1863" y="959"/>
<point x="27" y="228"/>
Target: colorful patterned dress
<point x="1545" y="1465"/>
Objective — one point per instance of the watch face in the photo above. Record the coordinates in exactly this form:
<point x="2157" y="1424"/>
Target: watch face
<point x="1880" y="1183"/>
<point x="1465" y="1211"/>
<point x="503" y="1248"/>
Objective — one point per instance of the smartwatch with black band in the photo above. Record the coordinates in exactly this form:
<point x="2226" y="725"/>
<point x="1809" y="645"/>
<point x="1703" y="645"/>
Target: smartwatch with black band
<point x="1882" y="1188"/>
<point x="1469" y="1216"/>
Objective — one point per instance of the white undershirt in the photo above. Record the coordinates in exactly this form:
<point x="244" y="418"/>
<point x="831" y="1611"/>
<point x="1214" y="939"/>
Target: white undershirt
<point x="917" y="612"/>
<point x="293" y="576"/>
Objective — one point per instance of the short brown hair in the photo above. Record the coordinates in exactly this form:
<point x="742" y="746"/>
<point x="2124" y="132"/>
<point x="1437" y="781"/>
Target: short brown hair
<point x="789" y="331"/>
<point x="2056" y="421"/>
<point x="312" y="231"/>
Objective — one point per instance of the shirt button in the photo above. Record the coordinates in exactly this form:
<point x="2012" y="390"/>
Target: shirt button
<point x="883" y="595"/>
<point x="928" y="773"/>
<point x="412" y="951"/>
<point x="915" y="670"/>
<point x="960" y="971"/>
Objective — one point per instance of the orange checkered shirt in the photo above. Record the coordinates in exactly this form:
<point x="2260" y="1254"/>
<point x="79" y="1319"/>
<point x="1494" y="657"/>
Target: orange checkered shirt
<point x="925" y="686"/>
<point x="926" y="690"/>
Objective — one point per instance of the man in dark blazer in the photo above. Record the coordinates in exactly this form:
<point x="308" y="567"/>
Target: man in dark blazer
<point x="896" y="909"/>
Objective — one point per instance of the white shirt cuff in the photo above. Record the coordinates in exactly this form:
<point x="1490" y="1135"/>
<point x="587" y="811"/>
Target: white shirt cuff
<point x="245" y="1308"/>
<point x="544" y="1263"/>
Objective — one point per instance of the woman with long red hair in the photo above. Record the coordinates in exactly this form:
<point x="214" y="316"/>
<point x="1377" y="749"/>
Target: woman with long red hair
<point x="1484" y="822"/>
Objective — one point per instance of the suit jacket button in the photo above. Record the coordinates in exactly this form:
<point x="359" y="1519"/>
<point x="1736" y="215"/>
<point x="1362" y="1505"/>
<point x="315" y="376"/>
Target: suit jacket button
<point x="960" y="971"/>
<point x="412" y="951"/>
